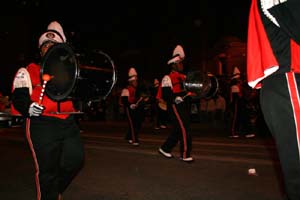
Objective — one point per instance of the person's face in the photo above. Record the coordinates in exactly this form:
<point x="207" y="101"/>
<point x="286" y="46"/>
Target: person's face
<point x="178" y="66"/>
<point x="44" y="48"/>
<point x="134" y="83"/>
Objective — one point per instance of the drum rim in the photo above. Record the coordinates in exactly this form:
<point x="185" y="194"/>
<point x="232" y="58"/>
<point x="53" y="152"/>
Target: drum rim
<point x="209" y="93"/>
<point x="114" y="75"/>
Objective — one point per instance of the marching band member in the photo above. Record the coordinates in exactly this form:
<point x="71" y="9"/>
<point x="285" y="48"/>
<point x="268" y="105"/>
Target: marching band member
<point x="273" y="64"/>
<point x="177" y="106"/>
<point x="54" y="139"/>
<point x="234" y="102"/>
<point x="159" y="113"/>
<point x="133" y="107"/>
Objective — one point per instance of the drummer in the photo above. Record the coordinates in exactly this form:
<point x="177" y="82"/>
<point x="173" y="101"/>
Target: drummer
<point x="160" y="108"/>
<point x="133" y="103"/>
<point x="53" y="138"/>
<point x="173" y="93"/>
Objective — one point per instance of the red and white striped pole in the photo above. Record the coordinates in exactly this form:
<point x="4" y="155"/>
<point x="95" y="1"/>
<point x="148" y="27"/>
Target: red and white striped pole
<point x="46" y="78"/>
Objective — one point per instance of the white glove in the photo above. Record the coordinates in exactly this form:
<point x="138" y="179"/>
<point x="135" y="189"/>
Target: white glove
<point x="35" y="109"/>
<point x="178" y="100"/>
<point x="133" y="106"/>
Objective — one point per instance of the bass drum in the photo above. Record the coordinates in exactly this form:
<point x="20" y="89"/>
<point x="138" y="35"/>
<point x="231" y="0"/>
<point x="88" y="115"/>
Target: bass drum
<point x="97" y="76"/>
<point x="202" y="84"/>
<point x="85" y="77"/>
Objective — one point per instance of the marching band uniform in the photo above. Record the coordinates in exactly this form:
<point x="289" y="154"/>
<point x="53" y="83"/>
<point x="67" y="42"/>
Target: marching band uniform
<point x="177" y="106"/>
<point x="273" y="64"/>
<point x="235" y="105"/>
<point x="159" y="114"/>
<point x="53" y="138"/>
<point x="133" y="107"/>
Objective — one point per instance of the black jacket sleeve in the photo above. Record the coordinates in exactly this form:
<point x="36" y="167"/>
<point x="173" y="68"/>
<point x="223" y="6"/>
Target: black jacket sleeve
<point x="21" y="100"/>
<point x="124" y="100"/>
<point x="167" y="95"/>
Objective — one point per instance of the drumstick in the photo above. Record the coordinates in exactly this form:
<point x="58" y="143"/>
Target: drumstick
<point x="46" y="78"/>
<point x="137" y="103"/>
<point x="188" y="94"/>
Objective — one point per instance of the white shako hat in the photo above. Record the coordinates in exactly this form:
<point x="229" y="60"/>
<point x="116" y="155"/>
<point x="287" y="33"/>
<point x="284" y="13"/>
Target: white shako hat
<point x="178" y="55"/>
<point x="236" y="73"/>
<point x="179" y="51"/>
<point x="54" y="33"/>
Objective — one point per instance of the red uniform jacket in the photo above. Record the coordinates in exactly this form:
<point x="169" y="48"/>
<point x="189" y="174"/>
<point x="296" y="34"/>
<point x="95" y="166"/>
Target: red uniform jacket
<point x="272" y="46"/>
<point x="50" y="106"/>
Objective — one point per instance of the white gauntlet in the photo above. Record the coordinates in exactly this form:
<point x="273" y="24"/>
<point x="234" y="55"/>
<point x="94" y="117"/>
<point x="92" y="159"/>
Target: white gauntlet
<point x="35" y="109"/>
<point x="178" y="100"/>
<point x="133" y="106"/>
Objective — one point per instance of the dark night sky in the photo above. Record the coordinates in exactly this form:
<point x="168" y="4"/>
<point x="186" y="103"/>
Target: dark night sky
<point x="134" y="33"/>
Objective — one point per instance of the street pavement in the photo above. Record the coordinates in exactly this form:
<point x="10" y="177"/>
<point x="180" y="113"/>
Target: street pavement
<point x="116" y="170"/>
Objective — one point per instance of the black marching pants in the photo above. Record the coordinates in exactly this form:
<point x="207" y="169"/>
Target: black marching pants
<point x="179" y="115"/>
<point x="57" y="152"/>
<point x="135" y="118"/>
<point x="279" y="99"/>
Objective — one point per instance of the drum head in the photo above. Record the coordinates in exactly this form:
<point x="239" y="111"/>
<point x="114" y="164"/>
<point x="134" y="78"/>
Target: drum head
<point x="201" y="83"/>
<point x="61" y="64"/>
<point x="162" y="104"/>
